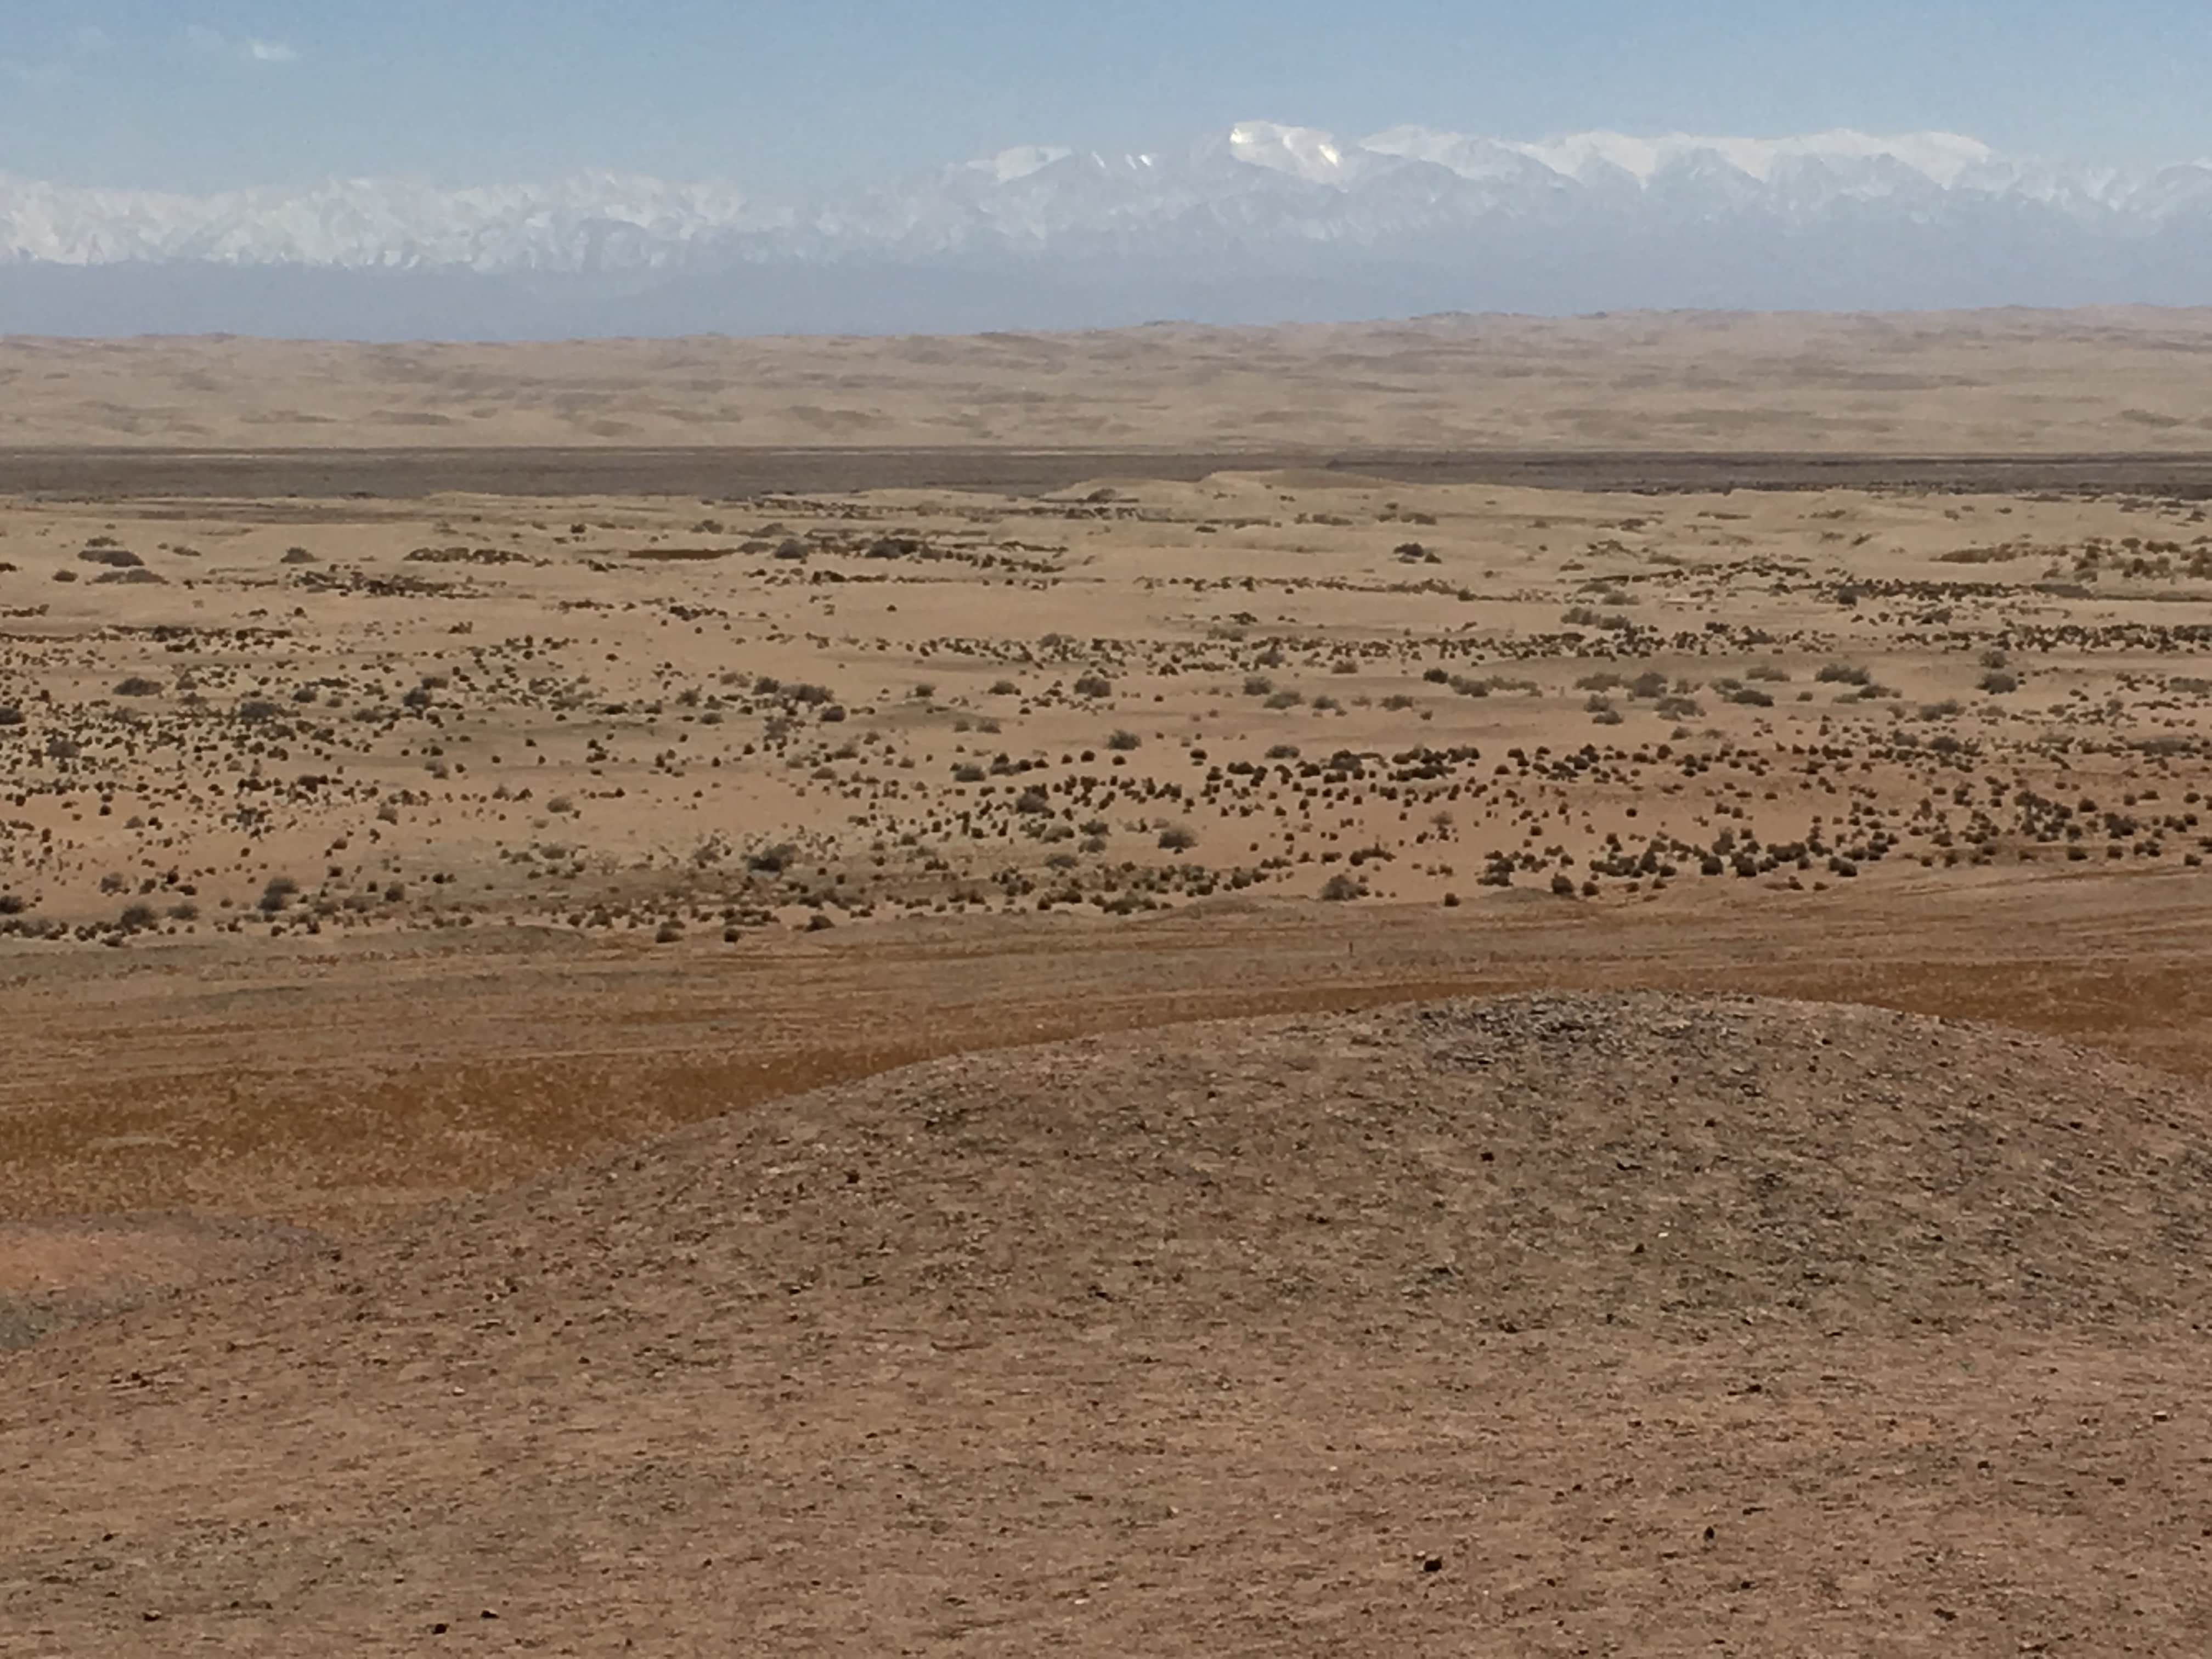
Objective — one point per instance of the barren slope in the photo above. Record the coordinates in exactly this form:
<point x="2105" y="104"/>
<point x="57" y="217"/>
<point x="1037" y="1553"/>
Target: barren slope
<point x="1560" y="1324"/>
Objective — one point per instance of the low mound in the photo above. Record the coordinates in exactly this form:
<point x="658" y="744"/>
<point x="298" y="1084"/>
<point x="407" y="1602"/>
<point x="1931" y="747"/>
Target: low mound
<point x="1550" y="1324"/>
<point x="62" y="1272"/>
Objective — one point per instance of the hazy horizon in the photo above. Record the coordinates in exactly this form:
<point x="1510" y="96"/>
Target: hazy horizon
<point x="540" y="171"/>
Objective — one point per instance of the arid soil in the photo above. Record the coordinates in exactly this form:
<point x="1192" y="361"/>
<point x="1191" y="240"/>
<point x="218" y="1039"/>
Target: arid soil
<point x="698" y="721"/>
<point x="522" y="993"/>
<point x="1553" y="1325"/>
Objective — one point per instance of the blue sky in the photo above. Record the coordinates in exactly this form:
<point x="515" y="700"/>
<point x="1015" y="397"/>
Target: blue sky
<point x="797" y="96"/>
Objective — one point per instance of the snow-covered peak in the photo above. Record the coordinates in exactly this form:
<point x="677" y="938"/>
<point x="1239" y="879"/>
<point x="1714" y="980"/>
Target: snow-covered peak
<point x="1941" y="157"/>
<point x="1469" y="157"/>
<point x="1020" y="161"/>
<point x="1265" y="188"/>
<point x="1319" y="157"/>
<point x="1305" y="153"/>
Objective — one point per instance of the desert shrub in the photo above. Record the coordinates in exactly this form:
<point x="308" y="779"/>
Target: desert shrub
<point x="137" y="686"/>
<point x="1123" y="742"/>
<point x="116" y="558"/>
<point x="277" y="895"/>
<point x="1177" y="838"/>
<point x="1341" y="887"/>
<point x="1093" y="685"/>
<point x="773" y="860"/>
<point x="1284" y="700"/>
<point x="1999" y="681"/>
<point x="1839" y="673"/>
<point x="967" y="772"/>
<point x="297" y="556"/>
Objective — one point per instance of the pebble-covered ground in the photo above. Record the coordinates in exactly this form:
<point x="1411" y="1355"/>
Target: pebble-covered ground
<point x="1556" y="1325"/>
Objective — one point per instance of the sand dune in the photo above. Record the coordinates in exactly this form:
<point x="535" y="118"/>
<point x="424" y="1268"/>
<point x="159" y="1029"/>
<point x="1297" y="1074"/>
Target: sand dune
<point x="2003" y="382"/>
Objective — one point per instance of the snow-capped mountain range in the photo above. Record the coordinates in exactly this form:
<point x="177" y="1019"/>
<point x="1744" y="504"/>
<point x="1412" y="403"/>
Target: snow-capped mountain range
<point x="1262" y="222"/>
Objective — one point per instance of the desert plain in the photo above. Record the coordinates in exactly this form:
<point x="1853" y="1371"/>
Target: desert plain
<point x="1472" y="985"/>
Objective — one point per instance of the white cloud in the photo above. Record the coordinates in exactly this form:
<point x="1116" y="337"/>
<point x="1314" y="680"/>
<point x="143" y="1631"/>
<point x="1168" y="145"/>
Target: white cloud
<point x="200" y="38"/>
<point x="34" y="75"/>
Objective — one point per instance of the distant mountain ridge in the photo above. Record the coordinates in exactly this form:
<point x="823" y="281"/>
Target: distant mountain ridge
<point x="1263" y="223"/>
